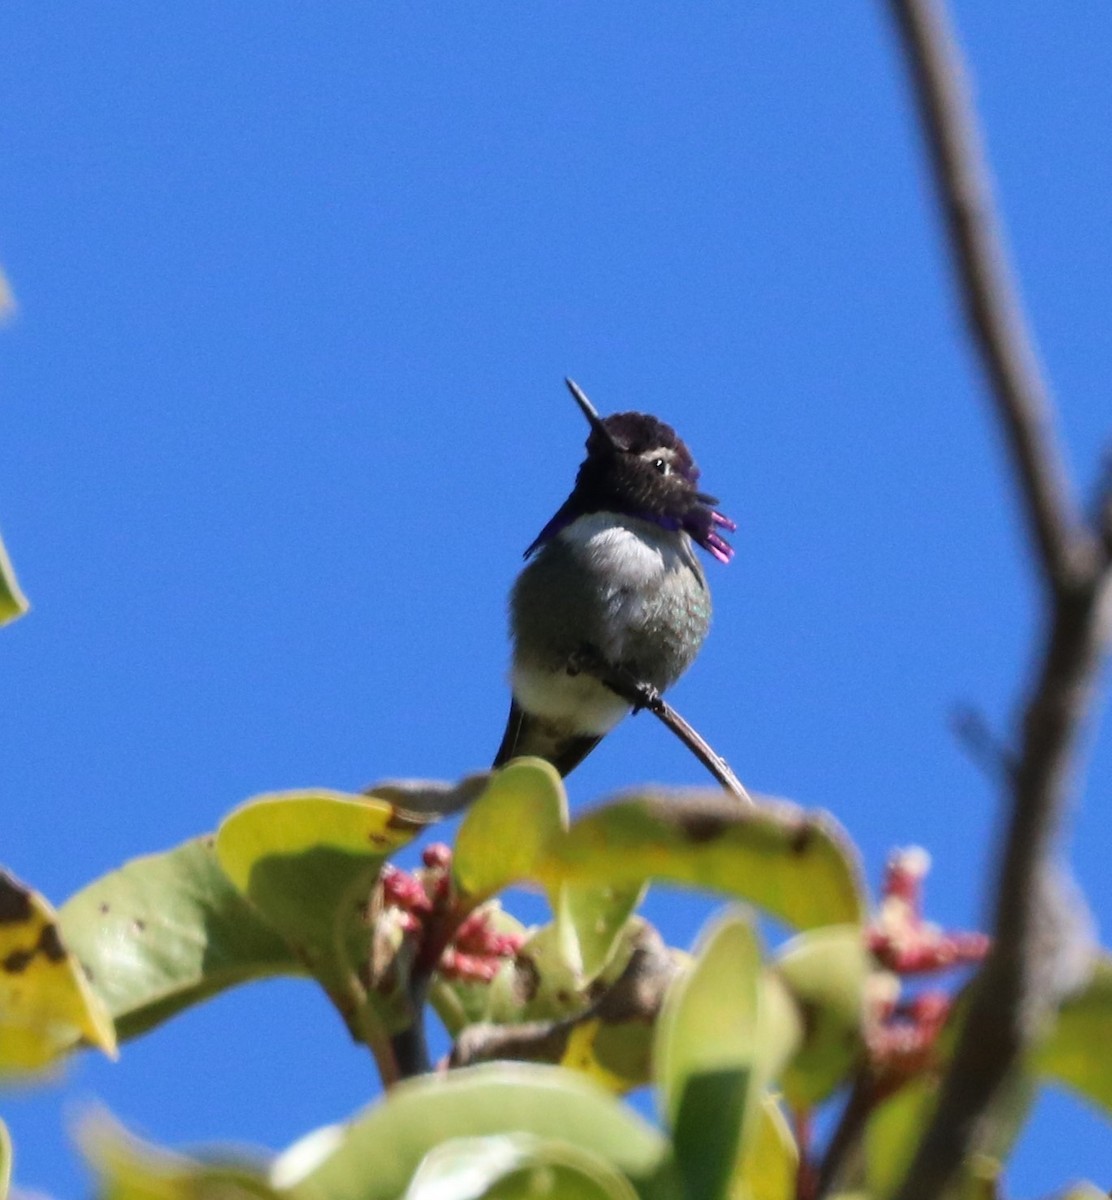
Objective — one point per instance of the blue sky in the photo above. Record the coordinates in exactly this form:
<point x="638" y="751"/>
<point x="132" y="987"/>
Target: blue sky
<point x="282" y="406"/>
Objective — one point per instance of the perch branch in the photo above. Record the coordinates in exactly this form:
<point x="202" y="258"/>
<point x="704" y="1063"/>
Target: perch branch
<point x="1021" y="977"/>
<point x="644" y="696"/>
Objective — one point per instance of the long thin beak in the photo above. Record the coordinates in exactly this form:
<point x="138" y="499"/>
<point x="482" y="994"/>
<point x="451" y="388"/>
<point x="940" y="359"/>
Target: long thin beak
<point x="591" y="413"/>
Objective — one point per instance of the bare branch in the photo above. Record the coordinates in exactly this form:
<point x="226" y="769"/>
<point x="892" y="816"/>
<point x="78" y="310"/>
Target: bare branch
<point x="991" y="303"/>
<point x="1024" y="974"/>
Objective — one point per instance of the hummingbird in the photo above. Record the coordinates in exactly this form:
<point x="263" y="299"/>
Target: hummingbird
<point x="613" y="578"/>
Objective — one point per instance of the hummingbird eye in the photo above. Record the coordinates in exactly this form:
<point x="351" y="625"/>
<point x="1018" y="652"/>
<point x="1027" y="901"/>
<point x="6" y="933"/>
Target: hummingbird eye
<point x="661" y="465"/>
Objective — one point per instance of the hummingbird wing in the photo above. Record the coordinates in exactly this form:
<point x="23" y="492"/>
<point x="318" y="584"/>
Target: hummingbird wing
<point x="526" y="734"/>
<point x="565" y="514"/>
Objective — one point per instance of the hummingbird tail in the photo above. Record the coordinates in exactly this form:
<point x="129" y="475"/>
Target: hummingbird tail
<point x="526" y="734"/>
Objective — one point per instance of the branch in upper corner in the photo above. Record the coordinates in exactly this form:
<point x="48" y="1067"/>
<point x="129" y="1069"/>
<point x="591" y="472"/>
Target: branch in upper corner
<point x="1025" y="972"/>
<point x="990" y="299"/>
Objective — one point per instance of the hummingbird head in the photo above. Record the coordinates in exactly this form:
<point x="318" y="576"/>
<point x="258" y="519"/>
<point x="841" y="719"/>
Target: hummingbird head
<point x="639" y="466"/>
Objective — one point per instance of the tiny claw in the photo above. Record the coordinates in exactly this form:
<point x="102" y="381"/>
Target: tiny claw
<point x="721" y="519"/>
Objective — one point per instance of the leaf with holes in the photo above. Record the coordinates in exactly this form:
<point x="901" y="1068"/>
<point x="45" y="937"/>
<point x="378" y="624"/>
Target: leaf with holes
<point x="167" y="931"/>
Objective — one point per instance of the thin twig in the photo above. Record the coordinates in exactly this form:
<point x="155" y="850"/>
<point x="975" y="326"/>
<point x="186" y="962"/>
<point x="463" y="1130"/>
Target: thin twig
<point x="846" y="1137"/>
<point x="980" y="742"/>
<point x="644" y="696"/>
<point x="1016" y="986"/>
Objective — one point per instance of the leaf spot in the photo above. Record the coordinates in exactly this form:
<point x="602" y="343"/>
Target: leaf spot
<point x="700" y="827"/>
<point x="51" y="944"/>
<point x="17" y="961"/>
<point x="15" y="901"/>
<point x="802" y="838"/>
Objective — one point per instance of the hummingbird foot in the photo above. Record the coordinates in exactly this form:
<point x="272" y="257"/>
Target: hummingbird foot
<point x="617" y="677"/>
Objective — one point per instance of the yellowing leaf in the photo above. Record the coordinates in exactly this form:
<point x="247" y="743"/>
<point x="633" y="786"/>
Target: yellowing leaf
<point x="46" y="1004"/>
<point x="770" y="1164"/>
<point x="797" y="866"/>
<point x="582" y="1054"/>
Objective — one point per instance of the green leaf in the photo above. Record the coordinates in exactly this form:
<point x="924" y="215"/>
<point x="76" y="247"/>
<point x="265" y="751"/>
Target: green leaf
<point x="590" y="921"/>
<point x="799" y="867"/>
<point x="129" y="1169"/>
<point x="1084" y="1023"/>
<point x="46" y="1003"/>
<point x="506" y="828"/>
<point x="5" y="1161"/>
<point x="710" y="1055"/>
<point x="167" y="931"/>
<point x="892" y="1134"/>
<point x="515" y="1167"/>
<point x="825" y="971"/>
<point x="308" y="861"/>
<point x="896" y="1126"/>
<point x="13" y="603"/>
<point x="378" y="1153"/>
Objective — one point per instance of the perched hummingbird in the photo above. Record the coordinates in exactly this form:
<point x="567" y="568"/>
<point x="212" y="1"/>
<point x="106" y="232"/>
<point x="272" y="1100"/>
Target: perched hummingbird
<point x="613" y="577"/>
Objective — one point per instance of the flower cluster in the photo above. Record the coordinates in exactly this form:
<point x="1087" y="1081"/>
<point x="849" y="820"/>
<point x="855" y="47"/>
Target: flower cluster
<point x="904" y="1032"/>
<point x="424" y="906"/>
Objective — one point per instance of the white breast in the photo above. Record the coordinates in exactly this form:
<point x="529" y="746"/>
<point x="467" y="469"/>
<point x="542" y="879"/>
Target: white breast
<point x="635" y="567"/>
<point x="634" y="555"/>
